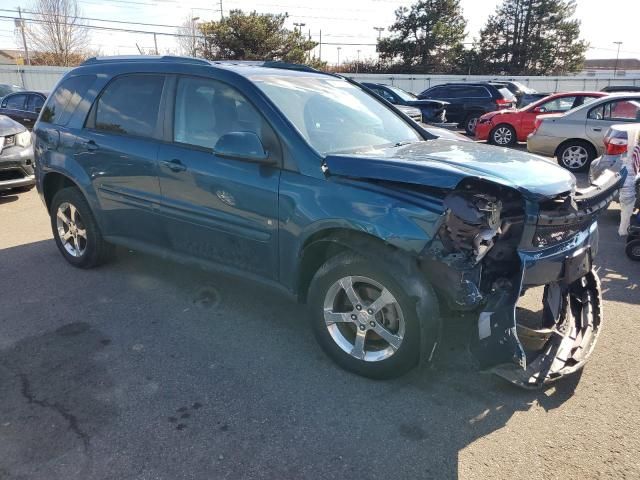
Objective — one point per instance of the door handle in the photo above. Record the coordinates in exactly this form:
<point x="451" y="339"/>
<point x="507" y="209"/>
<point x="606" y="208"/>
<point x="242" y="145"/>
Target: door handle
<point x="90" y="145"/>
<point x="597" y="129"/>
<point x="174" y="165"/>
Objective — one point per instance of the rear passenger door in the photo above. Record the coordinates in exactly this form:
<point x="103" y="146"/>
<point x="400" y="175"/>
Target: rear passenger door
<point x="600" y="118"/>
<point x="219" y="209"/>
<point x="118" y="148"/>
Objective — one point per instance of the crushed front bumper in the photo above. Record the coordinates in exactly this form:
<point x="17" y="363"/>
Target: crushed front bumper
<point x="565" y="334"/>
<point x="571" y="318"/>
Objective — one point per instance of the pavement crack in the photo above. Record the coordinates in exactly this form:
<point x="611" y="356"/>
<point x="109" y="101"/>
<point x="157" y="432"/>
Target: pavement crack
<point x="71" y="419"/>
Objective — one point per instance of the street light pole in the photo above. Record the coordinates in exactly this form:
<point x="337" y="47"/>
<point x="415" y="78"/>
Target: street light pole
<point x="193" y="35"/>
<point x="358" y="61"/>
<point x="379" y="30"/>
<point x="339" y="48"/>
<point x="24" y="40"/>
<point x="615" y="69"/>
<point x="299" y="25"/>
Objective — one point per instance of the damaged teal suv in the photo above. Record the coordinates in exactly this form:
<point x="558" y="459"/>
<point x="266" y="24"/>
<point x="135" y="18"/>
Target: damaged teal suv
<point x="311" y="183"/>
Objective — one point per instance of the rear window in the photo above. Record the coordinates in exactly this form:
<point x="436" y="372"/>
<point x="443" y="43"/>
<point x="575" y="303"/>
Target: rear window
<point x="129" y="105"/>
<point x="506" y="93"/>
<point x="65" y="99"/>
<point x="14" y="102"/>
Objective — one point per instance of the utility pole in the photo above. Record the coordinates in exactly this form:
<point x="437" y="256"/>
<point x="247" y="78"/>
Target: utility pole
<point x="155" y="42"/>
<point x="339" y="48"/>
<point x="193" y="35"/>
<point x="358" y="61"/>
<point x="379" y="30"/>
<point x="615" y="69"/>
<point x="24" y="40"/>
<point x="221" y="12"/>
<point x="320" y="55"/>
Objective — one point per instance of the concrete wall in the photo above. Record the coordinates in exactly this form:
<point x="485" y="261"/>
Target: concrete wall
<point x="44" y="78"/>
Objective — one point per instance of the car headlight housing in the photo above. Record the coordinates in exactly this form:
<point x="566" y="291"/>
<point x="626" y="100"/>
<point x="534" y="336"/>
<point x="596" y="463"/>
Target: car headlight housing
<point x="23" y="139"/>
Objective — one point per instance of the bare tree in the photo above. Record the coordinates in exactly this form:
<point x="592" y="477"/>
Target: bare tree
<point x="188" y="37"/>
<point x="56" y="34"/>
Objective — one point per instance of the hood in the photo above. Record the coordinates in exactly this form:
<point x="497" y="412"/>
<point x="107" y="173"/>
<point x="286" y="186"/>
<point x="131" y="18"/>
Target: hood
<point x="408" y="110"/>
<point x="9" y="126"/>
<point x="444" y="163"/>
<point x="427" y="103"/>
<point x="490" y="115"/>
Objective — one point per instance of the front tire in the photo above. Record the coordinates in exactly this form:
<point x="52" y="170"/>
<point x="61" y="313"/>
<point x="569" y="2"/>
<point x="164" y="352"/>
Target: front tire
<point x="363" y="318"/>
<point x="576" y="155"/>
<point x="75" y="230"/>
<point x="503" y="135"/>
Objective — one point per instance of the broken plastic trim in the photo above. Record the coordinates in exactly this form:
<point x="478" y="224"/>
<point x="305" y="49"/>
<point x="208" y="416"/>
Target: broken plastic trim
<point x="565" y="346"/>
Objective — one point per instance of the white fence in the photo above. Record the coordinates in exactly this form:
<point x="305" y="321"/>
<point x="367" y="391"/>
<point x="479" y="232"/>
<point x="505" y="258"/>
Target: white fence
<point x="44" y="78"/>
<point x="418" y="83"/>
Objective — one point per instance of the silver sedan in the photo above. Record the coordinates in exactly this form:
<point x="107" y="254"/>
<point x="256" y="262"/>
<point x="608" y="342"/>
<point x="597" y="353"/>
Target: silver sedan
<point x="576" y="138"/>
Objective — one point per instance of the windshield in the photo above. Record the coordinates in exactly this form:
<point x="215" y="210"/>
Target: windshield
<point x="334" y="115"/>
<point x="403" y="94"/>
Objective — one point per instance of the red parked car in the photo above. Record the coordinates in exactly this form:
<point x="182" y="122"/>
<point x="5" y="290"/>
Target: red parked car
<point x="506" y="127"/>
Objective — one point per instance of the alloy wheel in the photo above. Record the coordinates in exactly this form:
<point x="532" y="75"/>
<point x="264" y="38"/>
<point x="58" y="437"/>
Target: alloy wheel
<point x="503" y="136"/>
<point x="471" y="124"/>
<point x="575" y="157"/>
<point x="71" y="229"/>
<point x="364" y="318"/>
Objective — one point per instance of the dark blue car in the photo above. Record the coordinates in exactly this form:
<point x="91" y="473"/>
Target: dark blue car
<point x="309" y="182"/>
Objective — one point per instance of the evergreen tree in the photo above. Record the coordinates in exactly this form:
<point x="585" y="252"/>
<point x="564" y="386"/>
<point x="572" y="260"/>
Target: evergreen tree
<point x="426" y="37"/>
<point x="532" y="37"/>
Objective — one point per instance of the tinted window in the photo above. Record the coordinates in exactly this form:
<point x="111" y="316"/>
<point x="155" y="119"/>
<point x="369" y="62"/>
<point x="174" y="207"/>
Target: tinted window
<point x="617" y="111"/>
<point x="386" y="95"/>
<point x="206" y="109"/>
<point x="469" y="92"/>
<point x="65" y="99"/>
<point x="14" y="102"/>
<point x="129" y="105"/>
<point x="34" y="102"/>
<point x="437" y="92"/>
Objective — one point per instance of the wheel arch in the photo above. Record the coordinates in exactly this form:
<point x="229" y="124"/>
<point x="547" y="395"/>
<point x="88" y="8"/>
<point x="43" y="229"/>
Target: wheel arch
<point x="575" y="140"/>
<point x="53" y="182"/>
<point x="325" y="244"/>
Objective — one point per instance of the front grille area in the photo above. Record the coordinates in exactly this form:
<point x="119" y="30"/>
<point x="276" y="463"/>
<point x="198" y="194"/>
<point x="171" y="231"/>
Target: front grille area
<point x="548" y="235"/>
<point x="11" y="174"/>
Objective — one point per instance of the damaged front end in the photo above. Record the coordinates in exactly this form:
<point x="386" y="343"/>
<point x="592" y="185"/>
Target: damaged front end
<point x="493" y="245"/>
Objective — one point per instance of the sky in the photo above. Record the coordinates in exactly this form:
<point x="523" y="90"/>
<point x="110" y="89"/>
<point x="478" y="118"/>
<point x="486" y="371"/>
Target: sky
<point x="343" y="23"/>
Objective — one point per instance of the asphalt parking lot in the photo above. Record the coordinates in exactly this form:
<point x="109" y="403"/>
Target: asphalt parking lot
<point x="145" y="369"/>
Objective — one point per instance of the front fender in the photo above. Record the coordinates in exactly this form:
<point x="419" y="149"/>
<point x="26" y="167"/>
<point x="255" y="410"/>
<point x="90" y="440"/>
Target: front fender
<point x="310" y="206"/>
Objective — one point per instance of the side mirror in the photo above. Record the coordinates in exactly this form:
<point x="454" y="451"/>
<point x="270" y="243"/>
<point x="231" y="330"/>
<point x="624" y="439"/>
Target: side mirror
<point x="539" y="110"/>
<point x="242" y="146"/>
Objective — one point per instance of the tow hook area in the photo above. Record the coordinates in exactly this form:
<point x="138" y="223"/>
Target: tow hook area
<point x="530" y="353"/>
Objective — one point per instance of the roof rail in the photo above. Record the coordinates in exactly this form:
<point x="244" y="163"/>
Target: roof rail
<point x="144" y="58"/>
<point x="268" y="64"/>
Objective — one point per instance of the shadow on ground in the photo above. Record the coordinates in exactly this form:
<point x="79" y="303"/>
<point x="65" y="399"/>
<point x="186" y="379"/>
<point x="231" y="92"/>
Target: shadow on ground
<point x="145" y="368"/>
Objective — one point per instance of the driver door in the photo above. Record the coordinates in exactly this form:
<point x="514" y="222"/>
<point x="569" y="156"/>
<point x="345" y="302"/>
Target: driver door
<point x="219" y="209"/>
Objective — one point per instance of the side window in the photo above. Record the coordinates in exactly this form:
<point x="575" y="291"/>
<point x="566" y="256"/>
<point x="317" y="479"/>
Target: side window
<point x="437" y="92"/>
<point x="388" y="97"/>
<point x="562" y="104"/>
<point x="207" y="109"/>
<point x="34" y="103"/>
<point x="65" y="99"/>
<point x="617" y="111"/>
<point x="15" y="102"/>
<point x="478" y="92"/>
<point x="129" y="105"/>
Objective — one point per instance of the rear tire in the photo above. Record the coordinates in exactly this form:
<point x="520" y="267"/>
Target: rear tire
<point x="76" y="231"/>
<point x="390" y="336"/>
<point x="470" y="123"/>
<point x="576" y="155"/>
<point x="503" y="135"/>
